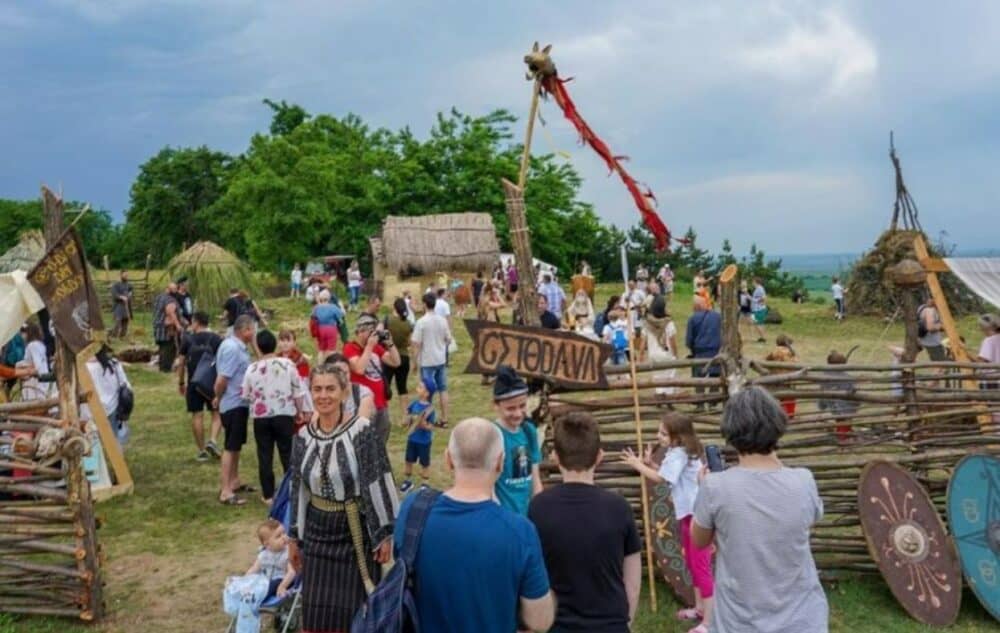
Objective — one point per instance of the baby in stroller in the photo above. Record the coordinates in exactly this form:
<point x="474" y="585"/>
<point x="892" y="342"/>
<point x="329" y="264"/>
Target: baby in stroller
<point x="272" y="561"/>
<point x="271" y="584"/>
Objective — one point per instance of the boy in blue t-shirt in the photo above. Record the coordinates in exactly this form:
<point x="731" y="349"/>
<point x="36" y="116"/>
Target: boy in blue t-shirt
<point x="421" y="420"/>
<point x="520" y="478"/>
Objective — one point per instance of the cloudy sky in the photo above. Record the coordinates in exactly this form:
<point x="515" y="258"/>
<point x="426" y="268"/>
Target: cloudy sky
<point x="760" y="121"/>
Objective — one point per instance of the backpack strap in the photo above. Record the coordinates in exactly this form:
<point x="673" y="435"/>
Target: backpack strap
<point x="415" y="521"/>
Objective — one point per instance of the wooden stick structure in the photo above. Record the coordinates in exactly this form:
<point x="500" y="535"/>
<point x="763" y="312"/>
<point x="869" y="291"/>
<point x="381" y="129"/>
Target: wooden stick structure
<point x="845" y="417"/>
<point x="643" y="484"/>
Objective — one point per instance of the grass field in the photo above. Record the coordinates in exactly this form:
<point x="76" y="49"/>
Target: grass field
<point x="170" y="545"/>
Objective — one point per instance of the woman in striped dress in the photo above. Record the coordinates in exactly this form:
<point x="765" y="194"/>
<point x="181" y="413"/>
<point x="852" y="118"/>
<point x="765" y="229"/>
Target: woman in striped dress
<point x="344" y="506"/>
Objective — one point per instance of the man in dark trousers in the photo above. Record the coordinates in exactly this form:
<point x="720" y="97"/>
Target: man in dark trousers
<point x="704" y="339"/>
<point x="121" y="305"/>
<point x="589" y="538"/>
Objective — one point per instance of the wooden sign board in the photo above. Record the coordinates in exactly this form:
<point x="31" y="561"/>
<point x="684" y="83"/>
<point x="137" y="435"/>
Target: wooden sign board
<point x="566" y="359"/>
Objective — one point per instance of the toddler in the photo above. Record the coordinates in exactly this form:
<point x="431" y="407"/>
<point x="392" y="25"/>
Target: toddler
<point x="845" y="408"/>
<point x="616" y="334"/>
<point x="421" y="420"/>
<point x="272" y="561"/>
<point x="679" y="468"/>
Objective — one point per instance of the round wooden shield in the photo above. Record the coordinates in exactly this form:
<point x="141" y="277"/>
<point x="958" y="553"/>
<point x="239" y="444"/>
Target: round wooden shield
<point x="664" y="530"/>
<point x="974" y="518"/>
<point x="908" y="541"/>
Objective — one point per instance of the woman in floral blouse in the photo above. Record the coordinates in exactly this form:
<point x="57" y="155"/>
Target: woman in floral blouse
<point x="274" y="390"/>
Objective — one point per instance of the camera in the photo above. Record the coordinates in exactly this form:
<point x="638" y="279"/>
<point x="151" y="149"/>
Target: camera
<point x="713" y="455"/>
<point x="384" y="336"/>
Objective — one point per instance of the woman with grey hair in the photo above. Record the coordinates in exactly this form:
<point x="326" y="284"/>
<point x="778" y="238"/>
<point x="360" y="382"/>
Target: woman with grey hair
<point x="759" y="514"/>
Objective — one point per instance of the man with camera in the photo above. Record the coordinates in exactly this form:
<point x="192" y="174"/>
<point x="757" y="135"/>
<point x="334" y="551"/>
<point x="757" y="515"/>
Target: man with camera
<point x="370" y="348"/>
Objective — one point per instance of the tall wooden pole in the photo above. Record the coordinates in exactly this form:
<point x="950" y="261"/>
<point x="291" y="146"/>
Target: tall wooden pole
<point x="77" y="487"/>
<point x="522" y="176"/>
<point x="65" y="359"/>
<point x="947" y="320"/>
<point x="643" y="484"/>
<point x="732" y="344"/>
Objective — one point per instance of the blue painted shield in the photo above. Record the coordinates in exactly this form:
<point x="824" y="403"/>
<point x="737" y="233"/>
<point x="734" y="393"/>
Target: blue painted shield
<point x="974" y="517"/>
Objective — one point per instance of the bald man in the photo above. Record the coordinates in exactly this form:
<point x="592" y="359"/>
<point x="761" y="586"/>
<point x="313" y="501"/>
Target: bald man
<point x="704" y="338"/>
<point x="480" y="565"/>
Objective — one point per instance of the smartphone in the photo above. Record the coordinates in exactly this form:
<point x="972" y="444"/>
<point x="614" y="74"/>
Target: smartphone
<point x="713" y="455"/>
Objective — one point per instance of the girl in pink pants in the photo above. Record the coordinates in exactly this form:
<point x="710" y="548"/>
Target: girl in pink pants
<point x="679" y="468"/>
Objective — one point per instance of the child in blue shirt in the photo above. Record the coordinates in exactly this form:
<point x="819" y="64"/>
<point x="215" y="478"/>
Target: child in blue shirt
<point x="420" y="420"/>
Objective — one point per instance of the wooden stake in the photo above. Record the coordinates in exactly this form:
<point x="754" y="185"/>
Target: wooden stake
<point x="732" y="345"/>
<point x="116" y="459"/>
<point x="520" y="240"/>
<point x="65" y="360"/>
<point x="647" y="518"/>
<point x="947" y="320"/>
<point x="532" y="115"/>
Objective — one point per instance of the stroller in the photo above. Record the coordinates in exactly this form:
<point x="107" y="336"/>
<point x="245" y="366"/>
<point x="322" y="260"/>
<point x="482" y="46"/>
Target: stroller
<point x="286" y="611"/>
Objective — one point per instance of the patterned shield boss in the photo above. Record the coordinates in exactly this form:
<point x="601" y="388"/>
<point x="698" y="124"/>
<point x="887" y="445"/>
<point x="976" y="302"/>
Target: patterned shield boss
<point x="974" y="518"/>
<point x="908" y="541"/>
<point x="664" y="530"/>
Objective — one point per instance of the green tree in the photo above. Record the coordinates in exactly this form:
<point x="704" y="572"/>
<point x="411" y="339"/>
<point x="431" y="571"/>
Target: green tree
<point x="286" y="117"/>
<point x="725" y="256"/>
<point x="170" y="199"/>
<point x="691" y="257"/>
<point x="776" y="281"/>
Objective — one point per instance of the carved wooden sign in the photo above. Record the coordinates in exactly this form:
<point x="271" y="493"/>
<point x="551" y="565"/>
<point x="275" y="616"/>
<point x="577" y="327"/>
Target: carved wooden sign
<point x="569" y="360"/>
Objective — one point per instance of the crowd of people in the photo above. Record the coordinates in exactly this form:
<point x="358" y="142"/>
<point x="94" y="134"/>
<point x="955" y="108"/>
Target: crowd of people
<point x="497" y="552"/>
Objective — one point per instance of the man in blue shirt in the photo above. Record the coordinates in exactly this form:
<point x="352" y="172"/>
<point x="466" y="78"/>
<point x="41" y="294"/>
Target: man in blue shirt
<point x="704" y="339"/>
<point x="519" y="476"/>
<point x="479" y="567"/>
<point x="231" y="362"/>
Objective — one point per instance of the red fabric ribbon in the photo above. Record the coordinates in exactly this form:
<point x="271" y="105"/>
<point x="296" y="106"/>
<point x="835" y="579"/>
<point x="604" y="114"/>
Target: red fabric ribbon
<point x="644" y="200"/>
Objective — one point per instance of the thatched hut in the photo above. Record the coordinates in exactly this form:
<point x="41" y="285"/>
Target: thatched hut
<point x="418" y="246"/>
<point x="211" y="271"/>
<point x="25" y="254"/>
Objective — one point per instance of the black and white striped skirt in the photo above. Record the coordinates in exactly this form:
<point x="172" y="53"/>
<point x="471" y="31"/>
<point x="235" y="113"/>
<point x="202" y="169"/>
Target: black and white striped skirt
<point x="332" y="589"/>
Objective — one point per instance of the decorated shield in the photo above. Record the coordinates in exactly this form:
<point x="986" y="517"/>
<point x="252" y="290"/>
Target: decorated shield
<point x="665" y="533"/>
<point x="974" y="517"/>
<point x="908" y="541"/>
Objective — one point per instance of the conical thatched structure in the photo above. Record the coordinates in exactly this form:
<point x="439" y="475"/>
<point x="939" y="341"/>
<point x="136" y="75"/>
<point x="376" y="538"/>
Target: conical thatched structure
<point x="25" y="254"/>
<point x="446" y="242"/>
<point x="211" y="271"/>
<point x="870" y="289"/>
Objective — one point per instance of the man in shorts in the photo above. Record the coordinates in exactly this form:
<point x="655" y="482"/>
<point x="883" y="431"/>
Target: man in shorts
<point x="195" y="344"/>
<point x="430" y="339"/>
<point x="231" y="364"/>
<point x="758" y="306"/>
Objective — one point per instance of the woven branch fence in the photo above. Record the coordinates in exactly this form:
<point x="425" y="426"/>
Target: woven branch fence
<point x="49" y="556"/>
<point x="923" y="416"/>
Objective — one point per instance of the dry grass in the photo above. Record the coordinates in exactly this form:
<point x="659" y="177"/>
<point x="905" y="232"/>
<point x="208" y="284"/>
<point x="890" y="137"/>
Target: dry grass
<point x="442" y="242"/>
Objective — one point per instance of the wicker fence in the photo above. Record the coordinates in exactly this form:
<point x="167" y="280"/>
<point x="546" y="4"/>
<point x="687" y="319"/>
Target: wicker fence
<point x="49" y="558"/>
<point x="923" y="416"/>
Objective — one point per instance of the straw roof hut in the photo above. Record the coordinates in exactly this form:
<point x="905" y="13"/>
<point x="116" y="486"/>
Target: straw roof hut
<point x="211" y="271"/>
<point x="25" y="254"/>
<point x="447" y="242"/>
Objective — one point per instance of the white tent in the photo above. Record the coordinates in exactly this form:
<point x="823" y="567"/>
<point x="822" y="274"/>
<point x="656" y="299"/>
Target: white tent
<point x="980" y="274"/>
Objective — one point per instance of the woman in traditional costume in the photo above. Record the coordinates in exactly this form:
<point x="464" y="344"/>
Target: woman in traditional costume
<point x="581" y="312"/>
<point x="344" y="505"/>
